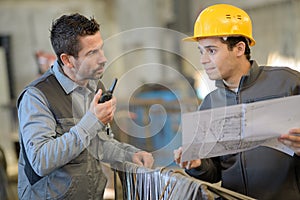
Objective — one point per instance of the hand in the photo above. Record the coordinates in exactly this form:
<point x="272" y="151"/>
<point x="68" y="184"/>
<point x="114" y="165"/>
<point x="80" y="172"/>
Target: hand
<point x="143" y="158"/>
<point x="292" y="140"/>
<point x="187" y="164"/>
<point x="103" y="111"/>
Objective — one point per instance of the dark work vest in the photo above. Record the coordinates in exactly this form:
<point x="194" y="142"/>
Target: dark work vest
<point x="60" y="105"/>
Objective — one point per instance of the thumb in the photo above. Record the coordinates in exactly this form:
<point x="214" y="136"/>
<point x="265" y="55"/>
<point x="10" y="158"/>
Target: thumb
<point x="97" y="96"/>
<point x="137" y="160"/>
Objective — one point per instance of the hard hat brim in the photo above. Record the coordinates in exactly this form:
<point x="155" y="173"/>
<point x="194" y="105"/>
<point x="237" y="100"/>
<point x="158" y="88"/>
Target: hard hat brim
<point x="195" y="39"/>
<point x="190" y="39"/>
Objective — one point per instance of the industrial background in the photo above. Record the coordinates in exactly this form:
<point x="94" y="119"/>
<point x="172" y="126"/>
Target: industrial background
<point x="160" y="76"/>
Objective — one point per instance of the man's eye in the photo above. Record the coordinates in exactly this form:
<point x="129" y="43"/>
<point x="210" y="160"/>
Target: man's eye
<point x="211" y="51"/>
<point x="92" y="52"/>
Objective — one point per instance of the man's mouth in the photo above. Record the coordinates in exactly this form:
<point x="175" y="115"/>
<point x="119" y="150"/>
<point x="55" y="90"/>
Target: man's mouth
<point x="209" y="69"/>
<point x="100" y="69"/>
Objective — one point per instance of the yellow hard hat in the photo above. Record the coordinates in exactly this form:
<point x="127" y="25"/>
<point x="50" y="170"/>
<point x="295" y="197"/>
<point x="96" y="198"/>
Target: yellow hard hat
<point x="222" y="20"/>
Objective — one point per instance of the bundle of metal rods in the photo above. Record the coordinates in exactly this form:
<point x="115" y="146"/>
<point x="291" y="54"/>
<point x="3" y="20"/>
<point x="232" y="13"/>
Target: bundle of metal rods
<point x="140" y="183"/>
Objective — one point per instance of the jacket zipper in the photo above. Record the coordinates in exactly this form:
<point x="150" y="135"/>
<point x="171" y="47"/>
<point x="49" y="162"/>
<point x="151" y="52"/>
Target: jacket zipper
<point x="237" y="97"/>
<point x="241" y="156"/>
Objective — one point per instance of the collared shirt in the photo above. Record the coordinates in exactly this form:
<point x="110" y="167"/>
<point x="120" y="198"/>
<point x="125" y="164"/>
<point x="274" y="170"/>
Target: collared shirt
<point x="44" y="149"/>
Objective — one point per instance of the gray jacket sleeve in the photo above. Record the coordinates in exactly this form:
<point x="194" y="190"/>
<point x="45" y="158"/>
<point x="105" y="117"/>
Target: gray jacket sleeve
<point x="109" y="150"/>
<point x="38" y="134"/>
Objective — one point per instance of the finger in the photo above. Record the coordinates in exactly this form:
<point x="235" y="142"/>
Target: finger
<point x="192" y="164"/>
<point x="138" y="161"/>
<point x="294" y="131"/>
<point x="291" y="137"/>
<point x="183" y="164"/>
<point x="180" y="149"/>
<point x="196" y="163"/>
<point x="114" y="101"/>
<point x="188" y="165"/>
<point x="97" y="96"/>
<point x="177" y="160"/>
<point x="289" y="143"/>
<point x="114" y="104"/>
<point x="177" y="153"/>
<point x="148" y="161"/>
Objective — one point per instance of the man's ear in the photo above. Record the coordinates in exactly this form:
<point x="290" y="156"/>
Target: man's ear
<point x="240" y="48"/>
<point x="66" y="60"/>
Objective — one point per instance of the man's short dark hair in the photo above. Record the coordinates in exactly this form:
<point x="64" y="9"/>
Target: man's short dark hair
<point x="232" y="41"/>
<point x="67" y="29"/>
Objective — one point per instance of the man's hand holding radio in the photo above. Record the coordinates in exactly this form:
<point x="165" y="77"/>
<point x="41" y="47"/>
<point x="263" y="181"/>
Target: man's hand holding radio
<point x="103" y="111"/>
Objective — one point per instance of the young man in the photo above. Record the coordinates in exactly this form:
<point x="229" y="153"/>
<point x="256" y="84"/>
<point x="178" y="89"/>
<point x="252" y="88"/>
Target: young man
<point x="63" y="133"/>
<point x="224" y="34"/>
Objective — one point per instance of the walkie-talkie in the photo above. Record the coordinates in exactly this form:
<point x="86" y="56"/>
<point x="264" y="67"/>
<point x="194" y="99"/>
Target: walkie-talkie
<point x="107" y="95"/>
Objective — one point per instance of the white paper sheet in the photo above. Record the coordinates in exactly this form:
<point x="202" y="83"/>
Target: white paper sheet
<point x="237" y="128"/>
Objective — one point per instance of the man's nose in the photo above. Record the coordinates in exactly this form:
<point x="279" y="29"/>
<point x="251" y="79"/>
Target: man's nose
<point x="204" y="58"/>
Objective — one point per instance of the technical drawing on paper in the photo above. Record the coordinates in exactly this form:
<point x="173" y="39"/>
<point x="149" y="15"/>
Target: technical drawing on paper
<point x="237" y="128"/>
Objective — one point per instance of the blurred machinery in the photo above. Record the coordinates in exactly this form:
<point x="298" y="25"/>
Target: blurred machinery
<point x="44" y="60"/>
<point x="8" y="150"/>
<point x="9" y="144"/>
<point x="152" y="121"/>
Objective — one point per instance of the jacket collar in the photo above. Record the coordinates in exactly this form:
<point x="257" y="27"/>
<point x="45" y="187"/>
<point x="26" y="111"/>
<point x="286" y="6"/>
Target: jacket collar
<point x="247" y="79"/>
<point x="67" y="84"/>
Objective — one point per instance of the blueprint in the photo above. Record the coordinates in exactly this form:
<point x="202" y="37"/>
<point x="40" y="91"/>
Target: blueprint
<point x="237" y="128"/>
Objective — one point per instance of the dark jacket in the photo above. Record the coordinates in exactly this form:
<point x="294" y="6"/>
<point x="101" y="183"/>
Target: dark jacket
<point x="261" y="173"/>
